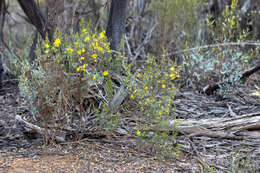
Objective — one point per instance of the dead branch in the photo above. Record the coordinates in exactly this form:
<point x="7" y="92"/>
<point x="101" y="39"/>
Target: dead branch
<point x="249" y="72"/>
<point x="36" y="129"/>
<point x="145" y="41"/>
<point x="215" y="45"/>
<point x="245" y="126"/>
<point x="35" y="17"/>
<point x="209" y="89"/>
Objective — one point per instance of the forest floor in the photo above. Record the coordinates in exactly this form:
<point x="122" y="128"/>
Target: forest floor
<point x="18" y="153"/>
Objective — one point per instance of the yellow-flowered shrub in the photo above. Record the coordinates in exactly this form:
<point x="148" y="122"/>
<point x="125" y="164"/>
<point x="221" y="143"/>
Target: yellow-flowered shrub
<point x="72" y="74"/>
<point x="153" y="93"/>
<point x="73" y="80"/>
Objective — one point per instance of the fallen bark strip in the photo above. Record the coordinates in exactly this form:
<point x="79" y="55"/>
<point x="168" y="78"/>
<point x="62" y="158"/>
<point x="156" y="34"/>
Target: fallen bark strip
<point x="245" y="126"/>
<point x="36" y="129"/>
<point x="209" y="89"/>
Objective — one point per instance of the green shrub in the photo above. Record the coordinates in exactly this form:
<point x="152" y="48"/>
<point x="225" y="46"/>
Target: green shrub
<point x="219" y="62"/>
<point x="68" y="76"/>
<point x="153" y="93"/>
<point x="76" y="78"/>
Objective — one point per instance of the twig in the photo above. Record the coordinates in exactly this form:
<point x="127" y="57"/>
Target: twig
<point x="232" y="113"/>
<point x="146" y="40"/>
<point x="214" y="45"/>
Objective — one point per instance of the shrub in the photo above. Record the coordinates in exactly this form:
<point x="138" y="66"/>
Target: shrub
<point x="154" y="92"/>
<point x="69" y="76"/>
<point x="220" y="63"/>
<point x="73" y="80"/>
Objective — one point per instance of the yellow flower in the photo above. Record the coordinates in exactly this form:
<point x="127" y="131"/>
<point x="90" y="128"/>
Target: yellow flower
<point x="96" y="44"/>
<point x="102" y="35"/>
<point x="163" y="85"/>
<point x="84" y="66"/>
<point x="69" y="50"/>
<point x="94" y="55"/>
<point x="79" y="52"/>
<point x="82" y="58"/>
<point x="46" y="45"/>
<point x="83" y="50"/>
<point x="132" y="96"/>
<point x="78" y="69"/>
<point x="105" y="73"/>
<point x="146" y="88"/>
<point x="94" y="77"/>
<point x="138" y="132"/>
<point x="174" y="76"/>
<point x="148" y="100"/>
<point x="87" y="38"/>
<point x="57" y="42"/>
<point x="46" y="51"/>
<point x="84" y="30"/>
<point x="139" y="75"/>
<point x="172" y="68"/>
<point x="58" y="61"/>
<point x="135" y="91"/>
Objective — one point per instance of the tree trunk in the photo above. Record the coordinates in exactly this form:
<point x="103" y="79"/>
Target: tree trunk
<point x="116" y="22"/>
<point x="35" y="16"/>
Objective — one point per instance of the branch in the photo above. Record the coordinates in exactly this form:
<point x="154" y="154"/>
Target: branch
<point x="214" y="45"/>
<point x="35" y="16"/>
<point x="209" y="89"/>
<point x="37" y="129"/>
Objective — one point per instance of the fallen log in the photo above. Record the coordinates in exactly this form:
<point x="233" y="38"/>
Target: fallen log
<point x="244" y="126"/>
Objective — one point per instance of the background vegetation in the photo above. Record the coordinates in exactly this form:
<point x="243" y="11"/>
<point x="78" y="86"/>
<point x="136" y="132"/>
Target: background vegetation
<point x="72" y="82"/>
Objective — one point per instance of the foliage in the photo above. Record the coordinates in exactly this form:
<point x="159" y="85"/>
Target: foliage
<point x="77" y="76"/>
<point x="67" y="75"/>
<point x="154" y="92"/>
<point x="20" y="49"/>
<point x="220" y="63"/>
<point x="177" y="22"/>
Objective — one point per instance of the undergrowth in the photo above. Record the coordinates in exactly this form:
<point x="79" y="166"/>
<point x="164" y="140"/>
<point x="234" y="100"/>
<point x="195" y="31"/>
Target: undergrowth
<point x="220" y="63"/>
<point x="72" y="83"/>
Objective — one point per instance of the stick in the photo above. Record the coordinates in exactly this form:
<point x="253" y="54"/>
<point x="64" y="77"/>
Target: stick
<point x="38" y="129"/>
